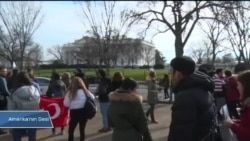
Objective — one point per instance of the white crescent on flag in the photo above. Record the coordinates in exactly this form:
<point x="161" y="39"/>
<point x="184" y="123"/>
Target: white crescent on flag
<point x="57" y="109"/>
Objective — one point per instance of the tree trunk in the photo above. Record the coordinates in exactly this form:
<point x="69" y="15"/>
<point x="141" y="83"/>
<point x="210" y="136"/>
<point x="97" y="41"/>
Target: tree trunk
<point x="11" y="64"/>
<point x="21" y="62"/>
<point x="178" y="46"/>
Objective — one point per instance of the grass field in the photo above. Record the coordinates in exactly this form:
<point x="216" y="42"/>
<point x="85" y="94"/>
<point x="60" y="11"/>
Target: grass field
<point x="138" y="74"/>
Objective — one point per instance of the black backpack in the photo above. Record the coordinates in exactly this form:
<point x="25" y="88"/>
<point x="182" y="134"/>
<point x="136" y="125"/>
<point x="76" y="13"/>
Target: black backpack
<point x="90" y="107"/>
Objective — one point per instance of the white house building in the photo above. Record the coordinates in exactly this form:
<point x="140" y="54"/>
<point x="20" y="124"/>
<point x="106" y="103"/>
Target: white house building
<point x="146" y="57"/>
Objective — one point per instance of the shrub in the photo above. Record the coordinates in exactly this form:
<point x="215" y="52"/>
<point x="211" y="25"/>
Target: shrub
<point x="159" y="66"/>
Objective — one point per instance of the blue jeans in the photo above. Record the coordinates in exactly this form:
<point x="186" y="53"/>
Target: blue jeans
<point x="19" y="133"/>
<point x="104" y="111"/>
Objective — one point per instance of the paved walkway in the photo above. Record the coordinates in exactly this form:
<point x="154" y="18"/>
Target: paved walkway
<point x="159" y="131"/>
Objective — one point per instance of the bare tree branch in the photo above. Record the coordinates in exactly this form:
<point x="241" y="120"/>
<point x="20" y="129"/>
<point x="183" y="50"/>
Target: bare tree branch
<point x="20" y="20"/>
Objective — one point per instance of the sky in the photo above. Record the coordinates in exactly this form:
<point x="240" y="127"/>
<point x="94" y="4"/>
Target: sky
<point x="62" y="24"/>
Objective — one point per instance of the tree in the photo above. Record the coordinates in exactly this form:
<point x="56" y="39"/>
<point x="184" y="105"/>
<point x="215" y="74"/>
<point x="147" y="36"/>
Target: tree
<point x="9" y="49"/>
<point x="149" y="55"/>
<point x="87" y="51"/>
<point x="159" y="58"/>
<point x="198" y="54"/>
<point x="34" y="55"/>
<point x="20" y="20"/>
<point x="227" y="58"/>
<point x="56" y="52"/>
<point x="238" y="30"/>
<point x="108" y="26"/>
<point x="132" y="49"/>
<point x="213" y="37"/>
<point x="182" y="20"/>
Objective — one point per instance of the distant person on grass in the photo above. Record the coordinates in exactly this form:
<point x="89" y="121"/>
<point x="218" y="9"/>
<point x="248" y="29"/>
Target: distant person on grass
<point x="193" y="110"/>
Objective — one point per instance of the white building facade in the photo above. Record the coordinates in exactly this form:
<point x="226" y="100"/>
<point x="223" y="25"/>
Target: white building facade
<point x="146" y="57"/>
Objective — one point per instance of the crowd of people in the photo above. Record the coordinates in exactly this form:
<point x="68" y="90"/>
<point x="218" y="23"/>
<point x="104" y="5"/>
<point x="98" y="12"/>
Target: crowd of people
<point x="199" y="96"/>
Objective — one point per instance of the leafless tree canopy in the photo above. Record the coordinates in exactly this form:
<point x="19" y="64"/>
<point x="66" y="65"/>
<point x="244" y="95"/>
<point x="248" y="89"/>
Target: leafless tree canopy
<point x="182" y="18"/>
<point x="107" y="25"/>
<point x="56" y="52"/>
<point x="238" y="30"/>
<point x="213" y="31"/>
<point x="19" y="20"/>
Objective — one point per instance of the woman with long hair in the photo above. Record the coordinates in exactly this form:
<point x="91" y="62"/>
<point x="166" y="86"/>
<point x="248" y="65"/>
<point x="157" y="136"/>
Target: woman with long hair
<point x="66" y="77"/>
<point x="241" y="127"/>
<point x="152" y="97"/>
<point x="75" y="99"/>
<point x="116" y="81"/>
<point x="25" y="97"/>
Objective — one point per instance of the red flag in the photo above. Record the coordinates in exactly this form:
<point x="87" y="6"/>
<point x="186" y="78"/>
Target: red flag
<point x="59" y="114"/>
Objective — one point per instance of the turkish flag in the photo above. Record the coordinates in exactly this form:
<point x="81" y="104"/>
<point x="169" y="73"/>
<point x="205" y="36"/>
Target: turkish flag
<point x="59" y="114"/>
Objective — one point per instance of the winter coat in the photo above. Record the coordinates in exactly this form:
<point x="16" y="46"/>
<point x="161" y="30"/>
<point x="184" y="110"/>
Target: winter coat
<point x="24" y="98"/>
<point x="4" y="93"/>
<point x="152" y="97"/>
<point x="103" y="89"/>
<point x="242" y="127"/>
<point x="115" y="85"/>
<point x="193" y="109"/>
<point x="127" y="117"/>
<point x="58" y="86"/>
<point x="233" y="94"/>
<point x="165" y="83"/>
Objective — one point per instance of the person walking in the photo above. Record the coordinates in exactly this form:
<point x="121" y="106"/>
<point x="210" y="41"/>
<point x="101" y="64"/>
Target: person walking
<point x="232" y="94"/>
<point x="56" y="89"/>
<point x="152" y="97"/>
<point x="165" y="84"/>
<point x="126" y="114"/>
<point x="219" y="90"/>
<point x="241" y="127"/>
<point x="75" y="99"/>
<point x="25" y="97"/>
<point x="4" y="93"/>
<point x="193" y="110"/>
<point x="102" y="91"/>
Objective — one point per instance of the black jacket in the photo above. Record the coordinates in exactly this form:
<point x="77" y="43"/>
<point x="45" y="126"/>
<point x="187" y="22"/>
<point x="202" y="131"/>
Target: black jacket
<point x="115" y="85"/>
<point x="193" y="109"/>
<point x="103" y="94"/>
<point x="56" y="85"/>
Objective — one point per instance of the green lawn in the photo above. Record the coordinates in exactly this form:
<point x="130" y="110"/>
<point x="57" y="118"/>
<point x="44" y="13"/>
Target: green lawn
<point x="138" y="74"/>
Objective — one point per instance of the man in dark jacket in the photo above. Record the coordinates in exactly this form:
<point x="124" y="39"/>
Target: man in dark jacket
<point x="103" y="90"/>
<point x="193" y="110"/>
<point x="4" y="93"/>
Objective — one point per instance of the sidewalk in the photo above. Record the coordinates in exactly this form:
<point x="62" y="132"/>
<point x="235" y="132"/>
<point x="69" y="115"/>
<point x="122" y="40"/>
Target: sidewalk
<point x="158" y="131"/>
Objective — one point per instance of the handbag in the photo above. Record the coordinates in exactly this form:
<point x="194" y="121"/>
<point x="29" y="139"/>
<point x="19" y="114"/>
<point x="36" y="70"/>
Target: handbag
<point x="90" y="107"/>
